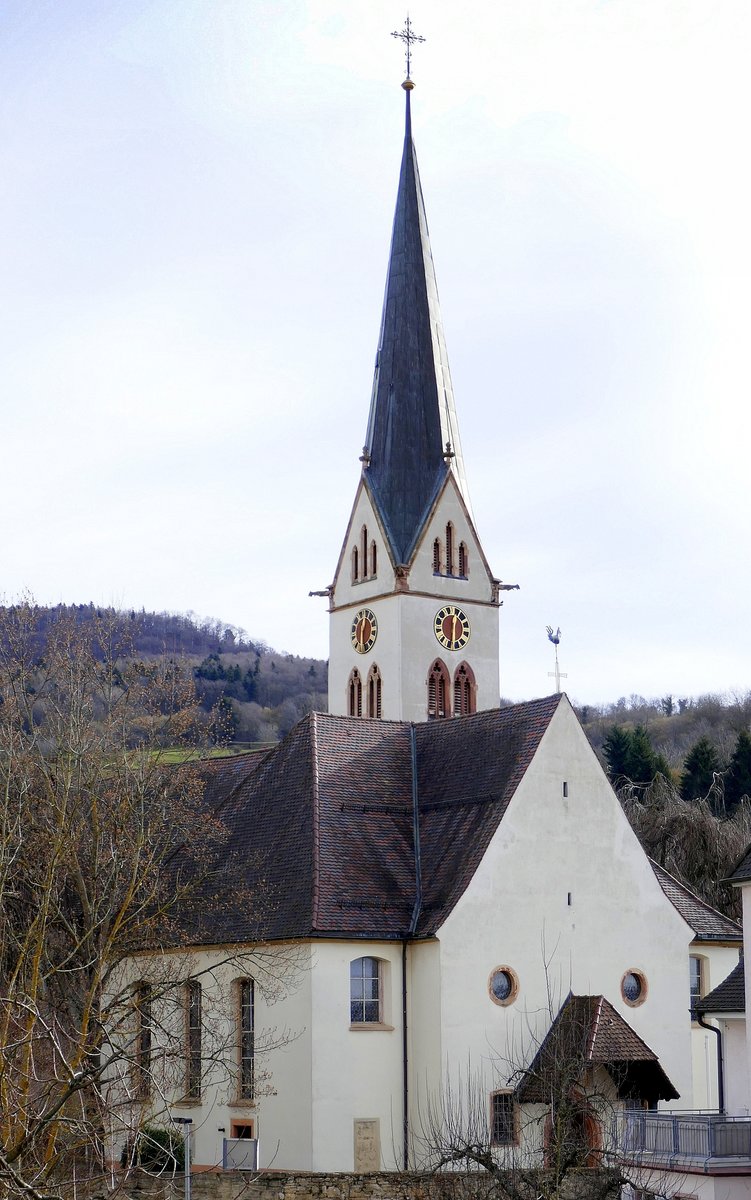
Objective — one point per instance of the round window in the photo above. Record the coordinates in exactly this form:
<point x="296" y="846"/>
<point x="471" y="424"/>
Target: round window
<point x="634" y="988"/>
<point x="503" y="985"/>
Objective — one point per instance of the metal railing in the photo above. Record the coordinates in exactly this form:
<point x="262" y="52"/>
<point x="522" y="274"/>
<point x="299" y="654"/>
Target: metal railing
<point x="659" y="1136"/>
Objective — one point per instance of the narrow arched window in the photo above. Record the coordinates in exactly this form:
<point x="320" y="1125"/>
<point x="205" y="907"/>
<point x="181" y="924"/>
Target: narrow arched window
<point x="463" y="560"/>
<point x="246" y="1038"/>
<point x="365" y="998"/>
<point x="465" y="691"/>
<point x="354" y="694"/>
<point x="437" y="556"/>
<point x="365" y="552"/>
<point x="193" y="1055"/>
<point x="355" y="564"/>
<point x="449" y="549"/>
<point x="374" y="692"/>
<point x="438" y="691"/>
<point x="373" y="559"/>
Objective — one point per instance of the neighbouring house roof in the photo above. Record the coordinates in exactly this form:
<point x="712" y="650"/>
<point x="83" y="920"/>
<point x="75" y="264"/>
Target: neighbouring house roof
<point x="708" y="924"/>
<point x="589" y="1032"/>
<point x="412" y="412"/>
<point x="743" y="870"/>
<point x="729" y="996"/>
<point x="332" y="810"/>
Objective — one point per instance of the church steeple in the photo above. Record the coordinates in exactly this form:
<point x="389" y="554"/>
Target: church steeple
<point x="413" y="434"/>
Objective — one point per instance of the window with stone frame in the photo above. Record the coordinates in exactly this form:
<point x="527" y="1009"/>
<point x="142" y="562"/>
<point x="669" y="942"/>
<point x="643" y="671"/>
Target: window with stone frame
<point x="246" y="1039"/>
<point x="365" y="999"/>
<point x="193" y="1047"/>
<point x="503" y="1119"/>
<point x="438" y="691"/>
<point x="374" y="692"/>
<point x="354" y="694"/>
<point x="465" y="691"/>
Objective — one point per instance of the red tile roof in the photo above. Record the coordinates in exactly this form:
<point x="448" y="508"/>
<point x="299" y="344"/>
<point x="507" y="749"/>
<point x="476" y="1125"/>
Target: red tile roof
<point x="588" y="1032"/>
<point x="708" y="924"/>
<point x="729" y="996"/>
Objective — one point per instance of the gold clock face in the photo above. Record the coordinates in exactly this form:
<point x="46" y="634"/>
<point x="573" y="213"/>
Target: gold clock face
<point x="452" y="627"/>
<point x="364" y="630"/>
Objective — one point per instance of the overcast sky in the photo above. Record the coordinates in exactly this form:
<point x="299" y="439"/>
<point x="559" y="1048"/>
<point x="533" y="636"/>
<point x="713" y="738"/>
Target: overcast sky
<point x="196" y="201"/>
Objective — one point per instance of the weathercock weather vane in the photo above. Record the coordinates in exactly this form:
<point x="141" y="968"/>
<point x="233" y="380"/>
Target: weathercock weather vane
<point x="408" y="37"/>
<point x="558" y="674"/>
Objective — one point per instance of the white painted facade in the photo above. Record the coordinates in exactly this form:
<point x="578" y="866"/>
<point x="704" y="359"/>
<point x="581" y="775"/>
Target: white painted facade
<point x="405" y="603"/>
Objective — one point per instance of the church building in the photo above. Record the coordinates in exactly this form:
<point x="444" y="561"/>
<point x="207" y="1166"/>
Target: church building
<point x="456" y="881"/>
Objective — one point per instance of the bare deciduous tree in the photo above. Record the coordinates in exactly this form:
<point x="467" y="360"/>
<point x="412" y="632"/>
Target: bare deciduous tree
<point x="106" y="855"/>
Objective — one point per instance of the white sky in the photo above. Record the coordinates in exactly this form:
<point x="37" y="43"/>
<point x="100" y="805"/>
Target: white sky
<point x="196" y="201"/>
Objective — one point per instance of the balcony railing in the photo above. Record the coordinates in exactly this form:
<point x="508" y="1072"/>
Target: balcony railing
<point x="663" y="1138"/>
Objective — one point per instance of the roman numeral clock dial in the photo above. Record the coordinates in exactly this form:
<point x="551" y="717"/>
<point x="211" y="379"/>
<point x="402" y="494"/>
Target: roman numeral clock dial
<point x="451" y="627"/>
<point x="364" y="630"/>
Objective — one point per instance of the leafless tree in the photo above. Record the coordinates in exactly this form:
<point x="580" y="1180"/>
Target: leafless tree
<point x="106" y="858"/>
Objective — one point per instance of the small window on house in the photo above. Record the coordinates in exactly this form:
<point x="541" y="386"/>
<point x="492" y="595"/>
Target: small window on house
<point x="373" y="560"/>
<point x="365" y="552"/>
<point x="503" y="1119"/>
<point x="142" y="999"/>
<point x="354" y="694"/>
<point x="696" y="966"/>
<point x="374" y="692"/>
<point x="437" y="556"/>
<point x="355" y="565"/>
<point x="193" y="1056"/>
<point x="449" y="549"/>
<point x="465" y="691"/>
<point x="463" y="560"/>
<point x="634" y="988"/>
<point x="365" y="991"/>
<point x="241" y="1129"/>
<point x="246" y="1038"/>
<point x="503" y="986"/>
<point x="438" y="691"/>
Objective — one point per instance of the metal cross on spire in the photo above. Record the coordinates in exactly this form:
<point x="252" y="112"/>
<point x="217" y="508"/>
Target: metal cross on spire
<point x="408" y="37"/>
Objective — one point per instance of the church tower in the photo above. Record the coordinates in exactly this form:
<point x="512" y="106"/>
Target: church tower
<point x="413" y="620"/>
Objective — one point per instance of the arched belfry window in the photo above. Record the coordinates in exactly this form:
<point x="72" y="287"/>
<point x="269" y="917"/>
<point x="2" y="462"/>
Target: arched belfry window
<point x="449" y="549"/>
<point x="373" y="560"/>
<point x="465" y="691"/>
<point x="355" y="564"/>
<point x="365" y="552"/>
<point x="463" y="564"/>
<point x="437" y="556"/>
<point x="374" y="692"/>
<point x="354" y="694"/>
<point x="438" y="691"/>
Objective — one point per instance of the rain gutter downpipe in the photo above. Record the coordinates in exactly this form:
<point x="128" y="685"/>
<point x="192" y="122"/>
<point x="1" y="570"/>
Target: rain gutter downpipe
<point x="720" y="1067"/>
<point x="405" y="941"/>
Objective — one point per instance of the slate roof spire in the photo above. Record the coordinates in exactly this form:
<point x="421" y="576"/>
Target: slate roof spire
<point x="412" y="420"/>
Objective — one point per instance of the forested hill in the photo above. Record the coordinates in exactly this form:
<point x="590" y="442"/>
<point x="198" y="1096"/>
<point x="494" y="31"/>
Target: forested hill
<point x="262" y="692"/>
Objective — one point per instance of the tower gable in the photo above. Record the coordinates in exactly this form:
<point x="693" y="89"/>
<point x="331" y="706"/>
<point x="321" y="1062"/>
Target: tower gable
<point x="365" y="567"/>
<point x="448" y="559"/>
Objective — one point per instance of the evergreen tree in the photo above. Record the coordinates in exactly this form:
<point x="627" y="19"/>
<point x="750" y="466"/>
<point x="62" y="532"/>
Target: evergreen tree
<point x="616" y="748"/>
<point x="641" y="760"/>
<point x="700" y="766"/>
<point x="738" y="777"/>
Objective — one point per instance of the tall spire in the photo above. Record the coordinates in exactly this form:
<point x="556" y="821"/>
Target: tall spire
<point x="413" y="434"/>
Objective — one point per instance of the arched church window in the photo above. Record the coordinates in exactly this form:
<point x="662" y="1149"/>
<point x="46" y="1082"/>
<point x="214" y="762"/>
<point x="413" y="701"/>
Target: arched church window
<point x="437" y="556"/>
<point x="365" y="552"/>
<point x="355" y="564"/>
<point x="374" y="692"/>
<point x="354" y="694"/>
<point x="465" y="691"/>
<point x="463" y="560"/>
<point x="373" y="560"/>
<point x="449" y="549"/>
<point x="438" y="691"/>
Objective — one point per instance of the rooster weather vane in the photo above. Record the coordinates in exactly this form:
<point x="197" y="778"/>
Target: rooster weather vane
<point x="558" y="674"/>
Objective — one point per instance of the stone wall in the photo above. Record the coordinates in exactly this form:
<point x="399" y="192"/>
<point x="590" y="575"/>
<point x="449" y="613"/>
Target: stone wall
<point x="235" y="1185"/>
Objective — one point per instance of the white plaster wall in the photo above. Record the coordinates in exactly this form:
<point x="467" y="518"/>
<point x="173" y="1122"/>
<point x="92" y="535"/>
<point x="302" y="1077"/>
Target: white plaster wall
<point x="424" y="1024"/>
<point x="357" y="1073"/>
<point x="718" y="962"/>
<point x="737" y="1098"/>
<point x="515" y="912"/>
<point x="746" y="898"/>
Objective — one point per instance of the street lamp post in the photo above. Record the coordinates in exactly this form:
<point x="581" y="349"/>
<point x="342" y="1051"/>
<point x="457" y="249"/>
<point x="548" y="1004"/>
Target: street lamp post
<point x="186" y="1123"/>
